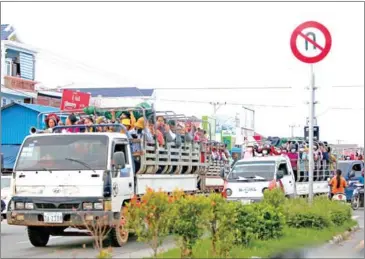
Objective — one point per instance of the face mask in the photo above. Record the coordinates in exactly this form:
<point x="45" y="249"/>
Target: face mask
<point x="293" y="150"/>
<point x="264" y="152"/>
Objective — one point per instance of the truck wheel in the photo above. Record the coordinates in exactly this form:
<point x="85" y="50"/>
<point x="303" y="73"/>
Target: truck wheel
<point x="118" y="235"/>
<point x="38" y="236"/>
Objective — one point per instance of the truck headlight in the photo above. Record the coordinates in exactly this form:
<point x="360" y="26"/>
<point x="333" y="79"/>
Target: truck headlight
<point x="98" y="205"/>
<point x="228" y="192"/>
<point x="19" y="205"/>
<point x="87" y="206"/>
<point x="29" y="205"/>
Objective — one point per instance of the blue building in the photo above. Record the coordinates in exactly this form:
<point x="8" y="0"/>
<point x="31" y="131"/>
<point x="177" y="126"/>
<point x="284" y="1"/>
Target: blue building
<point x="17" y="68"/>
<point x="16" y="121"/>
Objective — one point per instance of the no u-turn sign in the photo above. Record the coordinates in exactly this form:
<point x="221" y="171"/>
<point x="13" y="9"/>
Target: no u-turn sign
<point x="311" y="42"/>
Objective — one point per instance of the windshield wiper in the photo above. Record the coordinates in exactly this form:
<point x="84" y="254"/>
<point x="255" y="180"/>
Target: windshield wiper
<point x="80" y="162"/>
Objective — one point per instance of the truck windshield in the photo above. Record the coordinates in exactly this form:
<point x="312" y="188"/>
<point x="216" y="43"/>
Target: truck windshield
<point x="53" y="153"/>
<point x="263" y="170"/>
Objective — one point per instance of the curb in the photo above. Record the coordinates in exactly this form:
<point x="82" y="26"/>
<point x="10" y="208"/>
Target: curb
<point x="339" y="238"/>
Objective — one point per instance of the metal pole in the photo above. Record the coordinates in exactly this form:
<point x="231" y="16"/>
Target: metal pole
<point x="311" y="124"/>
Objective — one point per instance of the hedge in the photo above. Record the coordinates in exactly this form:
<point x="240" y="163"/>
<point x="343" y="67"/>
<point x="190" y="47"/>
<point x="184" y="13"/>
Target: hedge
<point x="230" y="224"/>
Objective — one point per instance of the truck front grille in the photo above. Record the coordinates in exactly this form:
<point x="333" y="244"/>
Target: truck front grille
<point x="62" y="206"/>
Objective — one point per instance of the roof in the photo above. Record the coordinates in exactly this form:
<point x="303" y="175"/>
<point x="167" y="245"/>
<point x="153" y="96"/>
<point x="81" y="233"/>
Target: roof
<point x="116" y="91"/>
<point x="6" y="33"/>
<point x="266" y="158"/>
<point x="10" y="153"/>
<point x="20" y="93"/>
<point x="34" y="107"/>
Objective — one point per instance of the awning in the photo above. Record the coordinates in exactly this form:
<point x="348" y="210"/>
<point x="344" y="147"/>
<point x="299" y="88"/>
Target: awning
<point x="10" y="153"/>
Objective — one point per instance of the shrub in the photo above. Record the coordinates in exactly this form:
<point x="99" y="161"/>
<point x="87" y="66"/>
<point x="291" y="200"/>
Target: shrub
<point x="270" y="221"/>
<point x="275" y="198"/>
<point x="189" y="217"/>
<point x="222" y="218"/>
<point x="339" y="213"/>
<point x="150" y="218"/>
<point x="246" y="224"/>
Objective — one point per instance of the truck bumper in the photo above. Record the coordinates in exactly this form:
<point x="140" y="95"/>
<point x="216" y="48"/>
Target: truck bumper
<point x="245" y="200"/>
<point x="78" y="219"/>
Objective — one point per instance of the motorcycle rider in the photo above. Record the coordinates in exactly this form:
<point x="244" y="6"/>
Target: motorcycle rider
<point x="337" y="183"/>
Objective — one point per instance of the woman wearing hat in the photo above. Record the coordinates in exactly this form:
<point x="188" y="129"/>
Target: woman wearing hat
<point x="51" y="121"/>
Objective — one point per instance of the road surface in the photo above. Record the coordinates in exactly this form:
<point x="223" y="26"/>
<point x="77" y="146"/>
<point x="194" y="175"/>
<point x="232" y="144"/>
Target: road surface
<point x="15" y="244"/>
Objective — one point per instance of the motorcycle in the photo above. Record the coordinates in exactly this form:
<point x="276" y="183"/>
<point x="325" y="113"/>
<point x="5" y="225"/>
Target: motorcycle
<point x="341" y="197"/>
<point x="357" y="199"/>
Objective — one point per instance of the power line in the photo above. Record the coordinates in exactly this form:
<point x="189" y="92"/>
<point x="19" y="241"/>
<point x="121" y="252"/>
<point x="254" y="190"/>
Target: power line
<point x="225" y="88"/>
<point x="348" y="86"/>
<point x="228" y="103"/>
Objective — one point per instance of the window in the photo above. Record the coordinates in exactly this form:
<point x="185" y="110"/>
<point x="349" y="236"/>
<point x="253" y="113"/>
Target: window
<point x="283" y="167"/>
<point x="253" y="170"/>
<point x="125" y="172"/>
<point x="64" y="152"/>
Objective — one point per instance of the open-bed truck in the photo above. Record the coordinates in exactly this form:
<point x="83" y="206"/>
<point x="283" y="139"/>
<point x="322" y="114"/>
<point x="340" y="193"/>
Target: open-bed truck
<point x="69" y="180"/>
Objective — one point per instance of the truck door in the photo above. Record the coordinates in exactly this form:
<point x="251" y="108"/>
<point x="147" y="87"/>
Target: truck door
<point x="123" y="180"/>
<point x="288" y="179"/>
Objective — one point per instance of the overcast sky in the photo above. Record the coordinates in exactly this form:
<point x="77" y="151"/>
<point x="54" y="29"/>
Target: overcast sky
<point x="152" y="45"/>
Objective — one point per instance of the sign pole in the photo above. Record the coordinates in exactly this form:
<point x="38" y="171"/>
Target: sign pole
<point x="311" y="135"/>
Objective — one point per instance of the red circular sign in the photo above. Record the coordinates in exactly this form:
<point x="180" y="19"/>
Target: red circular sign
<point x="298" y="32"/>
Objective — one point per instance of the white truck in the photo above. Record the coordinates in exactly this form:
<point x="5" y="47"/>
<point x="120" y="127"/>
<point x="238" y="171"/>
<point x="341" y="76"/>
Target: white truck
<point x="70" y="179"/>
<point x="250" y="177"/>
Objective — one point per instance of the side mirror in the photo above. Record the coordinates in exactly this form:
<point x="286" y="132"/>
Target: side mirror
<point x="279" y="175"/>
<point x="119" y="159"/>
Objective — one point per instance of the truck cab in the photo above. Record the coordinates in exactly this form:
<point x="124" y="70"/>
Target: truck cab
<point x="249" y="178"/>
<point x="67" y="180"/>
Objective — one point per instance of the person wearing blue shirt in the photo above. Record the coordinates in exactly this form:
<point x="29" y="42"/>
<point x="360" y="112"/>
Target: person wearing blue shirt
<point x="361" y="178"/>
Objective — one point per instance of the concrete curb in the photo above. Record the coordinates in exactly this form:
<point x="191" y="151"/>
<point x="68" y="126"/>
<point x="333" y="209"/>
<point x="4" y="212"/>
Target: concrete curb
<point x="339" y="238"/>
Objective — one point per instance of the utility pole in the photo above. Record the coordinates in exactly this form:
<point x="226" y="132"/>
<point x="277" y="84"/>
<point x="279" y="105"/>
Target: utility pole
<point x="312" y="123"/>
<point x="292" y="129"/>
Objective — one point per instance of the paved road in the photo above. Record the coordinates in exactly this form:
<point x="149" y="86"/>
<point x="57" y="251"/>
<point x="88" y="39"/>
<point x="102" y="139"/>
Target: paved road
<point x="15" y="244"/>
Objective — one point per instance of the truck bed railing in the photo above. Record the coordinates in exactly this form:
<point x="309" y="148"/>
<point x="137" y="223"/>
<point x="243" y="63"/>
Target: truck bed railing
<point x="322" y="170"/>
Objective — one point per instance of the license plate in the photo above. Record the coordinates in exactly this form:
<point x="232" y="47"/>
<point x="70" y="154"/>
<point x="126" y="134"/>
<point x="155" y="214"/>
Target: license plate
<point x="245" y="202"/>
<point x="53" y="217"/>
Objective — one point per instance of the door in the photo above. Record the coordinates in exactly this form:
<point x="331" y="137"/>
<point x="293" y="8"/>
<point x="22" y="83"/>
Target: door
<point x="122" y="180"/>
<point x="288" y="179"/>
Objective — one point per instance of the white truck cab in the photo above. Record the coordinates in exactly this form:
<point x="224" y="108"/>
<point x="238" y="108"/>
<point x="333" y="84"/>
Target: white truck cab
<point x="249" y="178"/>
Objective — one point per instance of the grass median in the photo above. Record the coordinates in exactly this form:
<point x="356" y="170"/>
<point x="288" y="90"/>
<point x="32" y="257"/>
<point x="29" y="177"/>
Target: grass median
<point x="292" y="238"/>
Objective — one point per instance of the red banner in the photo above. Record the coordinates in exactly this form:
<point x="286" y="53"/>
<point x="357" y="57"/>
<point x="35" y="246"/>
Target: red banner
<point x="74" y="100"/>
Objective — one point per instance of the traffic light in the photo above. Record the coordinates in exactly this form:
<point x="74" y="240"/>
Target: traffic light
<point x="315" y="133"/>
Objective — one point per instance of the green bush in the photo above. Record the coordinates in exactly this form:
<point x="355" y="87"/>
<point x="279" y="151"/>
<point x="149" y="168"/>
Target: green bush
<point x="189" y="216"/>
<point x="259" y="221"/>
<point x="338" y="212"/>
<point x="323" y="213"/>
<point x="300" y="214"/>
<point x="270" y="221"/>
<point x="275" y="198"/>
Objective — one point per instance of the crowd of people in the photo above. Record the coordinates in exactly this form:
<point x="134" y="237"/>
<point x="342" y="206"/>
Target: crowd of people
<point x="155" y="130"/>
<point x="298" y="153"/>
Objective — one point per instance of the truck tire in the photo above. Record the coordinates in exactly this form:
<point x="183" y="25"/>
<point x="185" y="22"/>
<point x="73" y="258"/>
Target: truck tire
<point x="38" y="236"/>
<point x="118" y="235"/>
